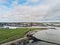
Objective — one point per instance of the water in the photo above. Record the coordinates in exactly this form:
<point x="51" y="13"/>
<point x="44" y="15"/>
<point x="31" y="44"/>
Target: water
<point x="40" y="43"/>
<point x="50" y="35"/>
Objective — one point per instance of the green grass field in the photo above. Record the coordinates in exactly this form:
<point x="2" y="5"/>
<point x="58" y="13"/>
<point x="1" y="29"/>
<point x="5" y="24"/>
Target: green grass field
<point x="12" y="34"/>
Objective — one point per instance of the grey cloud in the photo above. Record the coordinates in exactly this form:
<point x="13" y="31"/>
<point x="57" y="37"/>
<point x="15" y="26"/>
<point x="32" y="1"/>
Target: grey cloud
<point x="54" y="13"/>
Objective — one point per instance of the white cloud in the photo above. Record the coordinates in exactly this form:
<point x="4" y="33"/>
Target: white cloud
<point x="2" y="0"/>
<point x="33" y="1"/>
<point x="25" y="13"/>
<point x="28" y="13"/>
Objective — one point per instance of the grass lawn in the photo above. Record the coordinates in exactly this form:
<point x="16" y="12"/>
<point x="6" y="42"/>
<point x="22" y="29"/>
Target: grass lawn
<point x="12" y="34"/>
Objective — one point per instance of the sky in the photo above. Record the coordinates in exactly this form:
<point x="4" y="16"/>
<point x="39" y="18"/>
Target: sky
<point x="29" y="10"/>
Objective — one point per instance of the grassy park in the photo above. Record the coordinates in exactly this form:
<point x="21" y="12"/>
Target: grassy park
<point x="7" y="35"/>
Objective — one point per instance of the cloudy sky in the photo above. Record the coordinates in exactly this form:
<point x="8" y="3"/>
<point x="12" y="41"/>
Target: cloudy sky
<point x="29" y="10"/>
